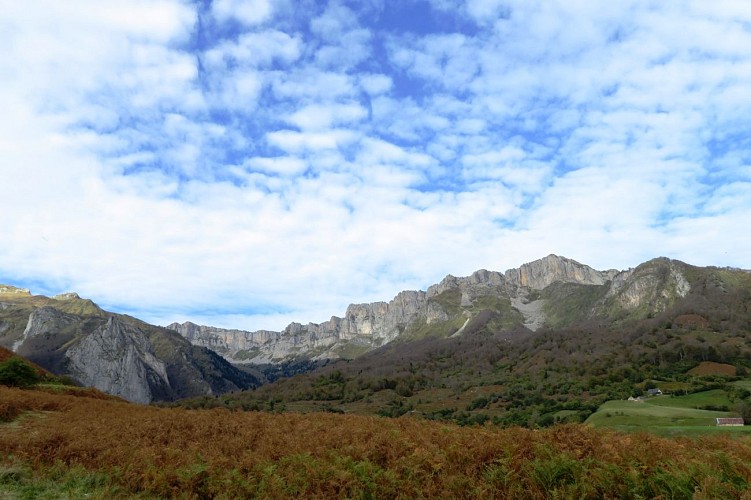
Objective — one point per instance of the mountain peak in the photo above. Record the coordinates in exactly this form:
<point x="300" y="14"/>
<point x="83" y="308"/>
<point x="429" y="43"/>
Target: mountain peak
<point x="12" y="290"/>
<point x="543" y="272"/>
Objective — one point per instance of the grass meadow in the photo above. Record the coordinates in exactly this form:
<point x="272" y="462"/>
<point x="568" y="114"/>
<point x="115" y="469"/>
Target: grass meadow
<point x="669" y="415"/>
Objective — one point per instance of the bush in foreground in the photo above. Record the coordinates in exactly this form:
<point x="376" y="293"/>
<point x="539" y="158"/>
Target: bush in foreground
<point x="15" y="372"/>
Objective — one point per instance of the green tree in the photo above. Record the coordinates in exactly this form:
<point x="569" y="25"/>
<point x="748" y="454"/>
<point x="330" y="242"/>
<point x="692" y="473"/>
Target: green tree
<point x="16" y="372"/>
<point x="744" y="409"/>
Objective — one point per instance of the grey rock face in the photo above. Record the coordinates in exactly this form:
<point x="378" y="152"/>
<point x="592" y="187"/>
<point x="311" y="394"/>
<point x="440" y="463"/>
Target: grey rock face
<point x="542" y="273"/>
<point x="653" y="285"/>
<point x="220" y="340"/>
<point x="480" y="283"/>
<point x="45" y="320"/>
<point x="367" y="325"/>
<point x="119" y="360"/>
<point x="47" y="331"/>
<point x="454" y="299"/>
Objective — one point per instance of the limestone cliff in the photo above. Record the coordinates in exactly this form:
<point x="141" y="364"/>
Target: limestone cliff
<point x="512" y="298"/>
<point x="541" y="273"/>
<point x="653" y="285"/>
<point x="118" y="359"/>
<point x="363" y="327"/>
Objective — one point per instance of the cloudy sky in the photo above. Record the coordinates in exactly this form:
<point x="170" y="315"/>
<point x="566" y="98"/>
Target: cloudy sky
<point x="249" y="163"/>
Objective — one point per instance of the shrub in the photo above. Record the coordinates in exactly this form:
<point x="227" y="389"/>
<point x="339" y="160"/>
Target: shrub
<point x="15" y="372"/>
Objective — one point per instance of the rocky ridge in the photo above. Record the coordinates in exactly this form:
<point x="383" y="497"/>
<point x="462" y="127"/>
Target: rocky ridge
<point x="117" y="354"/>
<point x="514" y="297"/>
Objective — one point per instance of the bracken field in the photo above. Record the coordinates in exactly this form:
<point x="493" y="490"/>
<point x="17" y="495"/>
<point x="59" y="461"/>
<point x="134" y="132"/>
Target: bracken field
<point x="69" y="445"/>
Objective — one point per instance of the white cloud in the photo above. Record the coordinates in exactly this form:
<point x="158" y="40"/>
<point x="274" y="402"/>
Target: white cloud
<point x="249" y="12"/>
<point x="313" y="85"/>
<point x="334" y="22"/>
<point x="242" y="90"/>
<point x="318" y="116"/>
<point x="282" y="163"/>
<point x="294" y="142"/>
<point x="443" y="60"/>
<point x="254" y="49"/>
<point x="511" y="166"/>
<point x="375" y="84"/>
<point x="485" y="11"/>
<point x="350" y="50"/>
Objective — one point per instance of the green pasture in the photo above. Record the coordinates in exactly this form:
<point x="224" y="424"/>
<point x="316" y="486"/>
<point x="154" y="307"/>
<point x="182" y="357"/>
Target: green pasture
<point x="699" y="400"/>
<point x="668" y="415"/>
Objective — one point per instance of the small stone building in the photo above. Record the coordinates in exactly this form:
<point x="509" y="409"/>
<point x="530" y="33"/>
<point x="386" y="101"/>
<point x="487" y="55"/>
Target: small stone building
<point x="728" y="422"/>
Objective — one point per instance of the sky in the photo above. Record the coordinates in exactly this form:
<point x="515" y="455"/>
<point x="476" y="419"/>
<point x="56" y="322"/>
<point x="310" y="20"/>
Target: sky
<point x="245" y="164"/>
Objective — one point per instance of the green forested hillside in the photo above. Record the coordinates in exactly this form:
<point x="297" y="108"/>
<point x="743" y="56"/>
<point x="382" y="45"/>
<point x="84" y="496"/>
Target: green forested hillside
<point x="558" y="373"/>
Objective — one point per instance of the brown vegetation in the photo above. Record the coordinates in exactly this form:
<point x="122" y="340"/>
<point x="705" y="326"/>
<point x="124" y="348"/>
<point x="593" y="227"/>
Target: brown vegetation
<point x="5" y="354"/>
<point x="691" y="321"/>
<point x="712" y="368"/>
<point x="218" y="453"/>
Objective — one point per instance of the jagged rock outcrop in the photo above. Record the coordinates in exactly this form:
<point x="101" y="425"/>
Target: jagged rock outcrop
<point x="542" y="273"/>
<point x="653" y="285"/>
<point x="362" y="327"/>
<point x="118" y="359"/>
<point x="47" y="331"/>
<point x="448" y="306"/>
<point x="479" y="283"/>
<point x="46" y="321"/>
<point x="221" y="340"/>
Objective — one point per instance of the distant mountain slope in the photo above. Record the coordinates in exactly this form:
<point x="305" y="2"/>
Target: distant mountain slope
<point x="555" y="297"/>
<point x="117" y="354"/>
<point x="664" y="324"/>
<point x="553" y="291"/>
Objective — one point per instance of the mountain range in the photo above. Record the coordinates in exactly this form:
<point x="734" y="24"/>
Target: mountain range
<point x="520" y="296"/>
<point x="510" y="317"/>
<point x="548" y="342"/>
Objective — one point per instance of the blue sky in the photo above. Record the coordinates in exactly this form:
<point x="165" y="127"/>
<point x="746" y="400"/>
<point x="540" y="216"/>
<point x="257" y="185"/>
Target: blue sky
<point x="250" y="163"/>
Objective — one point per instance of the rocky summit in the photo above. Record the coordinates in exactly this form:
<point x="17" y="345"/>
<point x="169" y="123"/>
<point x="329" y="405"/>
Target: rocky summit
<point x="536" y="294"/>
